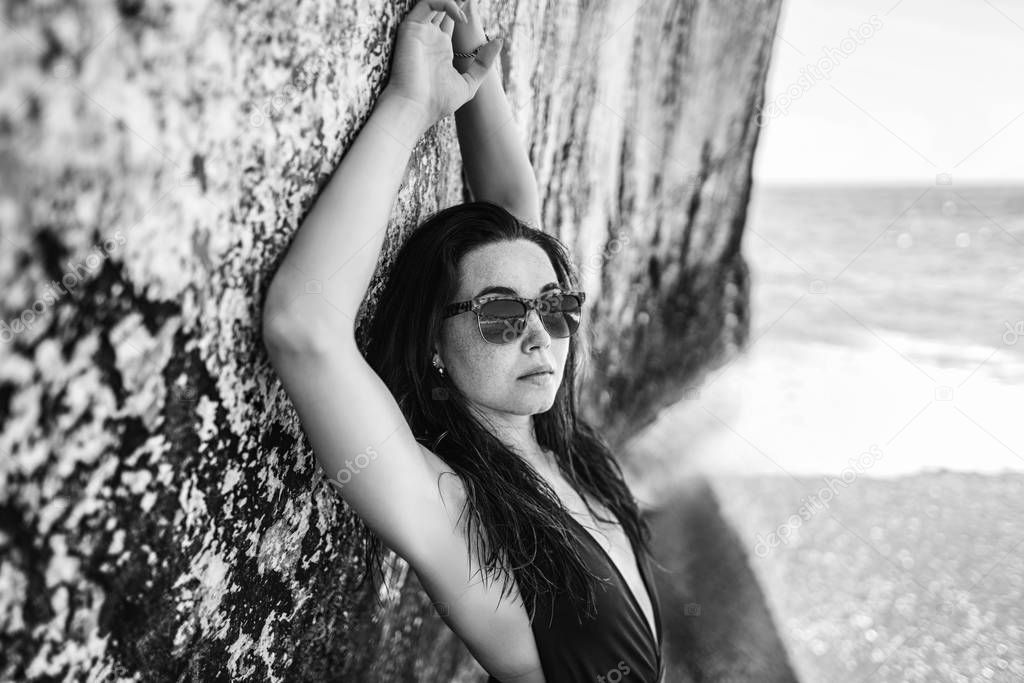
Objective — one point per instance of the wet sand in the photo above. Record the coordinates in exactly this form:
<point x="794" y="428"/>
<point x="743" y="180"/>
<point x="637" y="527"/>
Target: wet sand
<point x="917" y="578"/>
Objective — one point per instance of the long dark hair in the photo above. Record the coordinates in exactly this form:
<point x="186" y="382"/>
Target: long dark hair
<point x="523" y="520"/>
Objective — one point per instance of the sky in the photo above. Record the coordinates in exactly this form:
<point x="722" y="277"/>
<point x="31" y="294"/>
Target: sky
<point x="920" y="88"/>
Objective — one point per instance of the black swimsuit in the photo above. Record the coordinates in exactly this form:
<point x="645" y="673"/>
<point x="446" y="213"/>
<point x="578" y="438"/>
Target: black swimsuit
<point x="617" y="646"/>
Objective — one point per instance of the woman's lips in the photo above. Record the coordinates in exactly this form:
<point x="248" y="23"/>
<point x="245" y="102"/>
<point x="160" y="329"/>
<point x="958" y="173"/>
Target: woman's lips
<point x="538" y="377"/>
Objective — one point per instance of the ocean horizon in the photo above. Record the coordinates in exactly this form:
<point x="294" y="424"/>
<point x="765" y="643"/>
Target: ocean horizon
<point x="883" y="316"/>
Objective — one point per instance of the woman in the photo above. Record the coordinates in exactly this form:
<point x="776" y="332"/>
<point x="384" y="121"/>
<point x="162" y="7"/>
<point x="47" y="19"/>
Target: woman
<point x="446" y="385"/>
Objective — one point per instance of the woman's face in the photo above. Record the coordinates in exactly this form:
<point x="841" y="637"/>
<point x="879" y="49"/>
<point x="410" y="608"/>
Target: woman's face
<point x="489" y="374"/>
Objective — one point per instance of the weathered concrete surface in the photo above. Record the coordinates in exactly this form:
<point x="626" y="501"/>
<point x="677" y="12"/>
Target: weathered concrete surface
<point x="160" y="510"/>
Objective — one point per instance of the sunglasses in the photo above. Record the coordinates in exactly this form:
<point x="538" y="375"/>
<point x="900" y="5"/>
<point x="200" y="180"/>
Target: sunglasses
<point x="502" y="318"/>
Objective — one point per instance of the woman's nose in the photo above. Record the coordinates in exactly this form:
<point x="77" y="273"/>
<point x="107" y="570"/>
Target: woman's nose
<point x="536" y="332"/>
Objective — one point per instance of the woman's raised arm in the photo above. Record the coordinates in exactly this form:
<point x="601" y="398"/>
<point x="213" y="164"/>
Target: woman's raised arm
<point x="358" y="432"/>
<point x="327" y="269"/>
<point x="324" y="276"/>
<point x="498" y="168"/>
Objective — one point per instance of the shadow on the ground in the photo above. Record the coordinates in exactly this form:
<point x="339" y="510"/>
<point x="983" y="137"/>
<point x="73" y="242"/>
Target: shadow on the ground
<point x="716" y="624"/>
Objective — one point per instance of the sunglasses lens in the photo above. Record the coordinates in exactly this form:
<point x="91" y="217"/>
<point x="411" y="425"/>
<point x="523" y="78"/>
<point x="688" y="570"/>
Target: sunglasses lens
<point x="561" y="315"/>
<point x="503" y="320"/>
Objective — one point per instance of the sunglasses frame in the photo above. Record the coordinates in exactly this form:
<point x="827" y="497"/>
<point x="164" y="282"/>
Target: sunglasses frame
<point x="476" y="303"/>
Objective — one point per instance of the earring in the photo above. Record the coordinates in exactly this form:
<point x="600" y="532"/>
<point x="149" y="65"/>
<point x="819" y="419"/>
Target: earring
<point x="437" y="364"/>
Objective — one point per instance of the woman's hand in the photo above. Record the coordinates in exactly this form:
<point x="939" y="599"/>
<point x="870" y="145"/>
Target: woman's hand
<point x="421" y="67"/>
<point x="468" y="35"/>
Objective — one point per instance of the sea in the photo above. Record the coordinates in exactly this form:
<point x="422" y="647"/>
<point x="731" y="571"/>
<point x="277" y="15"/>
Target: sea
<point x="887" y="338"/>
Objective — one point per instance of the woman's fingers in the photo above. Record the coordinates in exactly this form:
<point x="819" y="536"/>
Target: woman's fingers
<point x="422" y="10"/>
<point x="447" y="25"/>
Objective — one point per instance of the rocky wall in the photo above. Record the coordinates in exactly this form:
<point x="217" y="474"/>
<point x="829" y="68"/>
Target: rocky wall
<point x="161" y="513"/>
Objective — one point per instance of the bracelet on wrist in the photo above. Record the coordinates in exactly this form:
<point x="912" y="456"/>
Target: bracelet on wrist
<point x="472" y="54"/>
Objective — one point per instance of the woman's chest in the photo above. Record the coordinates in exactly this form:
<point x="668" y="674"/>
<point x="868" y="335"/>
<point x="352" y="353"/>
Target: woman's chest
<point x="612" y="539"/>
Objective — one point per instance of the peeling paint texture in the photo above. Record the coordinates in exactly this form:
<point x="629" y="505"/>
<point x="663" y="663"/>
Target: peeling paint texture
<point x="162" y="516"/>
